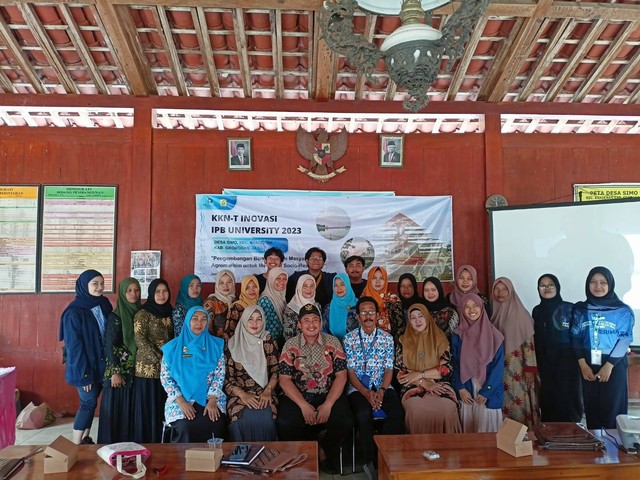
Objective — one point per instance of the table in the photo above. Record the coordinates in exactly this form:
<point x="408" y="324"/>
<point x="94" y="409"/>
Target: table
<point x="466" y="456"/>
<point x="91" y="467"/>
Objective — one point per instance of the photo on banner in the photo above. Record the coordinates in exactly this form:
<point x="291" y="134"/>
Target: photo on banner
<point x="402" y="234"/>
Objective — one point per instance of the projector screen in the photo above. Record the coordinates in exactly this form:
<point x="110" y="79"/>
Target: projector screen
<point x="568" y="240"/>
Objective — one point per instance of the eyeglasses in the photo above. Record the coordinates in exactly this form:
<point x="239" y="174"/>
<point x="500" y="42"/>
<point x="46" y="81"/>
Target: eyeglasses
<point x="550" y="286"/>
<point x="369" y="313"/>
<point x="316" y="259"/>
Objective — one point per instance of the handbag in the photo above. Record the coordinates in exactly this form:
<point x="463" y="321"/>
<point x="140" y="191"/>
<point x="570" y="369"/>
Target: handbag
<point x="126" y="457"/>
<point x="566" y="436"/>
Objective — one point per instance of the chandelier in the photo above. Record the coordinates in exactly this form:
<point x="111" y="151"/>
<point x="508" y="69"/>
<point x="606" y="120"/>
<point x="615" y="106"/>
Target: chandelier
<point x="413" y="53"/>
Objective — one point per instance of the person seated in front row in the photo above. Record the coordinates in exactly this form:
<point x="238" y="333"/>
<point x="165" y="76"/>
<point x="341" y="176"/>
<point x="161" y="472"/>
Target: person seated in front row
<point x="315" y="259"/>
<point x="354" y="266"/>
<point x="251" y="379"/>
<point x="192" y="374"/>
<point x="313" y="373"/>
<point x="369" y="351"/>
<point x="273" y="257"/>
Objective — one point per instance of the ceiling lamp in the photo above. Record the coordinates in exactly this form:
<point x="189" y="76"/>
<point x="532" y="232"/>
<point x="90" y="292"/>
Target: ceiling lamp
<point x="414" y="52"/>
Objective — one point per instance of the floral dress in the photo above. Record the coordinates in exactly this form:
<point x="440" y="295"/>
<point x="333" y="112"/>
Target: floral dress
<point x="446" y="319"/>
<point x="237" y="376"/>
<point x="520" y="402"/>
<point x="273" y="323"/>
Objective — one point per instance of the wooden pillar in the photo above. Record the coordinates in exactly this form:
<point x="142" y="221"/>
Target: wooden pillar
<point x="142" y="172"/>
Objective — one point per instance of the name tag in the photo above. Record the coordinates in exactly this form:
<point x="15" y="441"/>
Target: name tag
<point x="596" y="357"/>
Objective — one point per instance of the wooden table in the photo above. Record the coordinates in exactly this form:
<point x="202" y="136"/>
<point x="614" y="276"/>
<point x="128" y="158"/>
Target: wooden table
<point x="466" y="456"/>
<point x="91" y="467"/>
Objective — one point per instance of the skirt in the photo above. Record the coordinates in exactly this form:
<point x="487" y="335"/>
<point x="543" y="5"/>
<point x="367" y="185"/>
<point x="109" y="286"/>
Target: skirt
<point x="116" y="413"/>
<point x="431" y="414"/>
<point x="148" y="410"/>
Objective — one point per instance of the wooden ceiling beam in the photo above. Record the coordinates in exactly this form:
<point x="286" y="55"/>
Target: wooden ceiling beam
<point x="117" y="24"/>
<point x="275" y="17"/>
<point x="629" y="71"/>
<point x="83" y="50"/>
<point x="6" y="84"/>
<point x="634" y="97"/>
<point x="463" y="64"/>
<point x="48" y="48"/>
<point x="605" y="61"/>
<point x="369" y="30"/>
<point x="524" y="42"/>
<point x="583" y="47"/>
<point x="489" y="80"/>
<point x="556" y="42"/>
<point x="610" y="12"/>
<point x="325" y="62"/>
<point x="204" y="40"/>
<point x="392" y="88"/>
<point x="243" y="55"/>
<point x="164" y="31"/>
<point x="20" y="57"/>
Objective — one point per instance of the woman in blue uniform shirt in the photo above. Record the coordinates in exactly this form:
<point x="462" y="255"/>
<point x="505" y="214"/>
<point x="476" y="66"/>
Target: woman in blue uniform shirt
<point x="602" y="329"/>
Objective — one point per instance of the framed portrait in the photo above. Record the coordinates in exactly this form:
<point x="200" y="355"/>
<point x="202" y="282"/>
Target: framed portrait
<point x="391" y="151"/>
<point x="239" y="154"/>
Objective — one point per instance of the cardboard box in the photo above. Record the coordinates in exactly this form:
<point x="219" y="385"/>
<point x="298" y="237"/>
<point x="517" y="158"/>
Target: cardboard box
<point x="202" y="459"/>
<point x="510" y="439"/>
<point x="60" y="456"/>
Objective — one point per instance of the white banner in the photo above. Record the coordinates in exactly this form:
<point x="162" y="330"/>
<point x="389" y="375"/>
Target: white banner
<point x="402" y="234"/>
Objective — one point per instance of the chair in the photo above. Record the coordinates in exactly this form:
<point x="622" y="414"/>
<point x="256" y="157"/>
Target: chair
<point x="165" y="426"/>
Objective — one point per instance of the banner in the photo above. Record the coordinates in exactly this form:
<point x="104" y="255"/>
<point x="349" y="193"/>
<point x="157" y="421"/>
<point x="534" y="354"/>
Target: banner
<point x="605" y="191"/>
<point x="402" y="234"/>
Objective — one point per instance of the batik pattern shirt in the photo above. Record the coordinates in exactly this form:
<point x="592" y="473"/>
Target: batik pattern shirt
<point x="312" y="367"/>
<point x="368" y="355"/>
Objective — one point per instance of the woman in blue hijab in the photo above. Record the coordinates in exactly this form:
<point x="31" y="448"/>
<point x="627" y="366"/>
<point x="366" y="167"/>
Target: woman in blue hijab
<point x="188" y="296"/>
<point x="340" y="316"/>
<point x="192" y="374"/>
<point x="82" y="328"/>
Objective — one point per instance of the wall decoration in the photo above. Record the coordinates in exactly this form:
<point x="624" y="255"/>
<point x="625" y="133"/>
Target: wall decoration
<point x="239" y="154"/>
<point x="145" y="267"/>
<point x="78" y="233"/>
<point x="19" y="213"/>
<point x="391" y="151"/>
<point x="322" y="151"/>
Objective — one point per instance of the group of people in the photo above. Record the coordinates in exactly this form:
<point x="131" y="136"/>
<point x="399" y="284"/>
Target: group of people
<point x="313" y="354"/>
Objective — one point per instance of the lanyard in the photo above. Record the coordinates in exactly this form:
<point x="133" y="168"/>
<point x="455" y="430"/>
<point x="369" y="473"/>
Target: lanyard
<point x="597" y="321"/>
<point x="365" y="353"/>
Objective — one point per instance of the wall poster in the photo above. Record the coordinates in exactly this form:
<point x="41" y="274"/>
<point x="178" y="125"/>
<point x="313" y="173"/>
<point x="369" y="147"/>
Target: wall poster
<point x="78" y="233"/>
<point x="19" y="212"/>
<point x="145" y="267"/>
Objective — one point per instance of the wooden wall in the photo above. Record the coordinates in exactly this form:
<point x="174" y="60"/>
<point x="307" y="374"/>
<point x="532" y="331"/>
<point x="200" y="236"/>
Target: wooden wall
<point x="159" y="173"/>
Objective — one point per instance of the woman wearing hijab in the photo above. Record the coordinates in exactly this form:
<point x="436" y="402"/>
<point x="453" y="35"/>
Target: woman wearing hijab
<point x="273" y="303"/>
<point x="188" y="296"/>
<point x="152" y="327"/>
<point x="408" y="292"/>
<point x="82" y="328"/>
<point x="424" y="369"/>
<point x="520" y="368"/>
<point x="305" y="293"/>
<point x="120" y="351"/>
<point x="441" y="310"/>
<point x="192" y="374"/>
<point x="560" y="392"/>
<point x="467" y="282"/>
<point x="340" y="316"/>
<point x="478" y="364"/>
<point x="389" y="305"/>
<point x="252" y="376"/>
<point x="602" y="329"/>
<point x="249" y="295"/>
<point x="218" y="304"/>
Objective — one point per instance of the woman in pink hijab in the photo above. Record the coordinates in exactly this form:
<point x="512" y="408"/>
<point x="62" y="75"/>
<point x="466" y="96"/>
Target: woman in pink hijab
<point x="466" y="281"/>
<point x="520" y="367"/>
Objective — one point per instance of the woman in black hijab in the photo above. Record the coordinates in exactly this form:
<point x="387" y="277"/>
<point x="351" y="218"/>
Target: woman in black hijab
<point x="560" y="392"/>
<point x="601" y="329"/>
<point x="408" y="293"/>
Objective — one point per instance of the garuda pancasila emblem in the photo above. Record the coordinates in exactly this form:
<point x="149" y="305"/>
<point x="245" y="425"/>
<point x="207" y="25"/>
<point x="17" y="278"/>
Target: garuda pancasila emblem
<point x="322" y="151"/>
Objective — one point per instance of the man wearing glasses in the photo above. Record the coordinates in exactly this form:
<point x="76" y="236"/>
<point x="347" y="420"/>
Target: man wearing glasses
<point x="312" y="374"/>
<point x="370" y="353"/>
<point x="315" y="258"/>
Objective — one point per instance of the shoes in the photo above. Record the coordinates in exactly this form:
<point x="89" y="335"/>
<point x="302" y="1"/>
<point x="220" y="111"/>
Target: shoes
<point x="87" y="441"/>
<point x="370" y="471"/>
<point x="327" y="467"/>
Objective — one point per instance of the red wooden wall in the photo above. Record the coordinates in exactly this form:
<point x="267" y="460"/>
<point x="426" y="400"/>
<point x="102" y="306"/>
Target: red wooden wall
<point x="159" y="172"/>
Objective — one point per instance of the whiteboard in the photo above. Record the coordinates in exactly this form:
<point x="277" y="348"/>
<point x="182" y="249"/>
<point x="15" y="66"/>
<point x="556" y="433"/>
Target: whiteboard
<point x="568" y="240"/>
